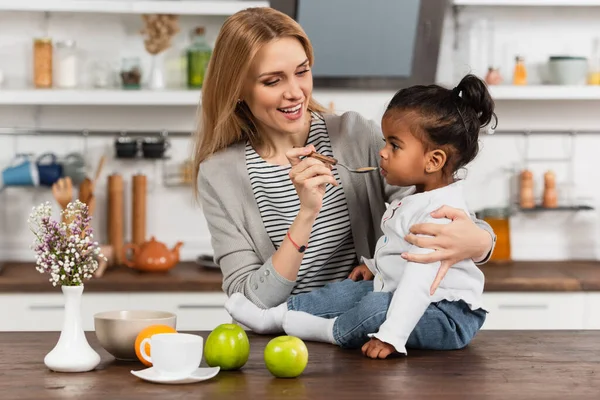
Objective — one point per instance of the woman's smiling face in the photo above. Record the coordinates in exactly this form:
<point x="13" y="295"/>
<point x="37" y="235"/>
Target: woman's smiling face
<point x="279" y="87"/>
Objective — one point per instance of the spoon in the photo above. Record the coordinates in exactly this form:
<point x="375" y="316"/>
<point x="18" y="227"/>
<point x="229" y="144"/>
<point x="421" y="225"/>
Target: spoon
<point x="333" y="161"/>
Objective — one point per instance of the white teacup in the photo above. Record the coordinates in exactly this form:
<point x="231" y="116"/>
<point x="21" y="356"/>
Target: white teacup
<point x="173" y="354"/>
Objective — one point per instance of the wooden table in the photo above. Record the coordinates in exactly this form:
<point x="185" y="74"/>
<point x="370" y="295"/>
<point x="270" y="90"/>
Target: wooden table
<point x="520" y="276"/>
<point x="497" y="365"/>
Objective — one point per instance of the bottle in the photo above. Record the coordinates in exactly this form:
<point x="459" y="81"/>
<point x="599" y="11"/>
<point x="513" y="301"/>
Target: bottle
<point x="520" y="72"/>
<point x="198" y="55"/>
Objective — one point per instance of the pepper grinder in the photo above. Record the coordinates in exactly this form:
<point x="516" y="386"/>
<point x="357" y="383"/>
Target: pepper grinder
<point x="527" y="198"/>
<point x="550" y="199"/>
<point x="116" y="213"/>
<point x="138" y="209"/>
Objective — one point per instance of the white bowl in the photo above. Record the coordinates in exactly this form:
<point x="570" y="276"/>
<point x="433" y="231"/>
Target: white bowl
<point x="117" y="330"/>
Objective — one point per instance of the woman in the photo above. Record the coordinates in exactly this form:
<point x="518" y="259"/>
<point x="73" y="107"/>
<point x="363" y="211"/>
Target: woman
<point x="283" y="223"/>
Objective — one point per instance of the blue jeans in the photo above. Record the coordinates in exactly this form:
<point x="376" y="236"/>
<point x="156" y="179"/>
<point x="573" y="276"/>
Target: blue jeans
<point x="446" y="325"/>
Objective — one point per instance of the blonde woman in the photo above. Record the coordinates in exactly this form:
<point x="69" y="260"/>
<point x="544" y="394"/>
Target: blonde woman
<point x="282" y="223"/>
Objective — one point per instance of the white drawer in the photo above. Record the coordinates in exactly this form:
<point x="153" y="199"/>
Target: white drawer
<point x="534" y="310"/>
<point x="592" y="311"/>
<point x="195" y="311"/>
<point x="44" y="312"/>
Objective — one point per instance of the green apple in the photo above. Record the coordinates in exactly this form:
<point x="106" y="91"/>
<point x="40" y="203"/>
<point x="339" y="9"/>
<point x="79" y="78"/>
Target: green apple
<point x="227" y="346"/>
<point x="286" y="356"/>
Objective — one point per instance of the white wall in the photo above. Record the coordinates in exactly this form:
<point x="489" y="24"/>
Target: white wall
<point x="524" y="30"/>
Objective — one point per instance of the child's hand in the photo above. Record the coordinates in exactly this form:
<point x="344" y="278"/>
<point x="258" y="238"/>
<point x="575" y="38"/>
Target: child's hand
<point x="375" y="348"/>
<point x="362" y="272"/>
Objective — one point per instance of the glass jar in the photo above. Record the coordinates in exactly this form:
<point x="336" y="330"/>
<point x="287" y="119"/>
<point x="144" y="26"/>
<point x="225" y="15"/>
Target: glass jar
<point x="66" y="65"/>
<point x="499" y="220"/>
<point x="101" y="74"/>
<point x="42" y="63"/>
<point x="131" y="73"/>
<point x="198" y="55"/>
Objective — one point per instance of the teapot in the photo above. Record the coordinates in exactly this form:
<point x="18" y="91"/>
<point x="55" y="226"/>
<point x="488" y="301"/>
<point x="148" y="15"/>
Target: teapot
<point x="151" y="256"/>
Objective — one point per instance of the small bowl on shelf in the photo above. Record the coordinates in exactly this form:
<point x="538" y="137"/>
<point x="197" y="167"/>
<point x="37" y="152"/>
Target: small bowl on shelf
<point x="117" y="330"/>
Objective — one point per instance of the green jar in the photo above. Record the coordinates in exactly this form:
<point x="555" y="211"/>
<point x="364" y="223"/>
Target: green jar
<point x="198" y="55"/>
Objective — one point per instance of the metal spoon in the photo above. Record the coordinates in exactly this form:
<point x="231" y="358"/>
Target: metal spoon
<point x="333" y="161"/>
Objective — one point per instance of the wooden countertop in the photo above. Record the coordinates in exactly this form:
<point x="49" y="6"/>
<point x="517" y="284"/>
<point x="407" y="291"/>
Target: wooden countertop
<point x="185" y="277"/>
<point x="496" y="365"/>
<point x="539" y="276"/>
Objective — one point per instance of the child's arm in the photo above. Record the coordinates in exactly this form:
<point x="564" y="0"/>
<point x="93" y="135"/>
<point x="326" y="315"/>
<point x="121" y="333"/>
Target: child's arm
<point x="409" y="302"/>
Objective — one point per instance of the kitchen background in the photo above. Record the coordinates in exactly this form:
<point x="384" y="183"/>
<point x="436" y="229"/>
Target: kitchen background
<point x="474" y="37"/>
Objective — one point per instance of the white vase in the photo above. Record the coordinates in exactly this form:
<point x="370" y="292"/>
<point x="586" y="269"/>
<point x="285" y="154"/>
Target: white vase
<point x="72" y="353"/>
<point x="156" y="79"/>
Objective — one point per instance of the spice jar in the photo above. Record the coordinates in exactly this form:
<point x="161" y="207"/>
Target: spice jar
<point x="42" y="62"/>
<point x="66" y="66"/>
<point x="131" y="74"/>
<point x="499" y="221"/>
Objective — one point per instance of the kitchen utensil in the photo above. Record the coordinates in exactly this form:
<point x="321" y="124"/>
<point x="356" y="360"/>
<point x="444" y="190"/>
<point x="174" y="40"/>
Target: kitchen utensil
<point x="88" y="186"/>
<point x="91" y="203"/>
<point x="107" y="251"/>
<point x="73" y="166"/>
<point x="62" y="190"/>
<point x="550" y="198"/>
<point x="174" y="355"/>
<point x="116" y="214"/>
<point x="49" y="170"/>
<point x="85" y="190"/>
<point x="151" y="256"/>
<point x="21" y="172"/>
<point x="566" y="70"/>
<point x="98" y="171"/>
<point x="138" y="209"/>
<point x="527" y="199"/>
<point x="117" y="330"/>
<point x="153" y="147"/>
<point x="333" y="161"/>
<point x="126" y="147"/>
<point x="199" y="375"/>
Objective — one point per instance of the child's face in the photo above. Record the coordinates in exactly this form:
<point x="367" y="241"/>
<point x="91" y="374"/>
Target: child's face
<point x="403" y="158"/>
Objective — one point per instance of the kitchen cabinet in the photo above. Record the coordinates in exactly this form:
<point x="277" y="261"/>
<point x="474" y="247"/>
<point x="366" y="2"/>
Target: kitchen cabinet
<point x="205" y="310"/>
<point x="592" y="311"/>
<point x="44" y="312"/>
<point x="564" y="310"/>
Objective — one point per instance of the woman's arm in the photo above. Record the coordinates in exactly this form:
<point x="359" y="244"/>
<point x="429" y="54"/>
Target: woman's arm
<point x="270" y="283"/>
<point x="242" y="269"/>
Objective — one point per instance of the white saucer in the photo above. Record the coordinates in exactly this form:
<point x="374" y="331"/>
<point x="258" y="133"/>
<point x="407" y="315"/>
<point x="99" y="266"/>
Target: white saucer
<point x="201" y="374"/>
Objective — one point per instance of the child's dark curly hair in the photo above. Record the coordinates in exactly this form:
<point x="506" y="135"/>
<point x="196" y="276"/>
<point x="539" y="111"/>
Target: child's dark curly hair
<point x="448" y="119"/>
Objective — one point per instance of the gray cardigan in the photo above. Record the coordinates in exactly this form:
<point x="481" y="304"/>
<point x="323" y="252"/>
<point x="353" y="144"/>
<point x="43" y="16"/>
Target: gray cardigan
<point x="242" y="247"/>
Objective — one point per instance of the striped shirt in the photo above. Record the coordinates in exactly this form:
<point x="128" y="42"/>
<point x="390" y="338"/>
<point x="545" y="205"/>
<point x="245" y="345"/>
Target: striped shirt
<point x="330" y="255"/>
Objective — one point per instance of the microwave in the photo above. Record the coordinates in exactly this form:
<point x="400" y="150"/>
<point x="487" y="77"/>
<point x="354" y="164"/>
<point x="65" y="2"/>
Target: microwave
<point x="371" y="44"/>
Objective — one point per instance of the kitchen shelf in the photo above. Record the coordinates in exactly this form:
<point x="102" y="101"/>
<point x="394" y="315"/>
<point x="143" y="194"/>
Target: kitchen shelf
<point x="132" y="7"/>
<point x="100" y="97"/>
<point x="506" y="3"/>
<point x="545" y="92"/>
<point x="559" y="208"/>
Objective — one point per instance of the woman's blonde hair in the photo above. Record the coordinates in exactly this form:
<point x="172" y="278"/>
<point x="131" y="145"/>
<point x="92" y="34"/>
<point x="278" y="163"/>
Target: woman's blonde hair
<point x="224" y="121"/>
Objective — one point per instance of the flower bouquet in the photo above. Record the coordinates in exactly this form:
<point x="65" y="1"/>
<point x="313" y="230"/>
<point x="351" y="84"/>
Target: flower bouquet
<point x="66" y="251"/>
